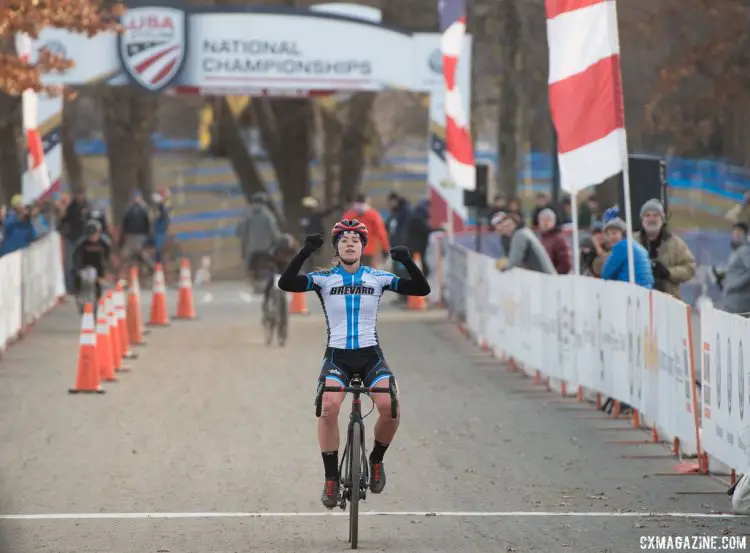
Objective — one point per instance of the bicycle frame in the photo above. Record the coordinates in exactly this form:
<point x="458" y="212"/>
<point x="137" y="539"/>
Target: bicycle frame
<point x="355" y="417"/>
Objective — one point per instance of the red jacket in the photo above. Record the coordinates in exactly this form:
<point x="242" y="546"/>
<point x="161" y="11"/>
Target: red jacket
<point x="558" y="250"/>
<point x="377" y="235"/>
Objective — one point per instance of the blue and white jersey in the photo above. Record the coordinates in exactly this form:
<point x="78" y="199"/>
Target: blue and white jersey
<point x="350" y="302"/>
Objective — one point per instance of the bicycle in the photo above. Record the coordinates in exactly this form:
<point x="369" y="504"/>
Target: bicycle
<point x="355" y="452"/>
<point x="275" y="319"/>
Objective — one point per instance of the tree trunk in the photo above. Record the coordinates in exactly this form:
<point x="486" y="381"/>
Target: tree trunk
<point x="331" y="128"/>
<point x="11" y="141"/>
<point x="286" y="131"/>
<point x="122" y="150"/>
<point x="507" y="130"/>
<point x="353" y="142"/>
<point x="230" y="141"/>
<point x="71" y="161"/>
<point x="144" y="110"/>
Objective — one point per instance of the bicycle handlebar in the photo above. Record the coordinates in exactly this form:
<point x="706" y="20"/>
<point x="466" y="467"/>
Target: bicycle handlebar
<point x="358" y="390"/>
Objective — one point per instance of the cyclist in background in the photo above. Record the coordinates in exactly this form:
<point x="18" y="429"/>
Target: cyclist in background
<point x="279" y="257"/>
<point x="93" y="250"/>
<point x="350" y="293"/>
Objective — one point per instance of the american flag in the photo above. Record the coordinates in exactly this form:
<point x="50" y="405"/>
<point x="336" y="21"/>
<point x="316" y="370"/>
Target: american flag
<point x="585" y="91"/>
<point x="459" y="148"/>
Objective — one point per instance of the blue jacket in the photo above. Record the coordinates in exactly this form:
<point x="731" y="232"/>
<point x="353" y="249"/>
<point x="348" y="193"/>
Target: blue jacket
<point x="17" y="233"/>
<point x="616" y="266"/>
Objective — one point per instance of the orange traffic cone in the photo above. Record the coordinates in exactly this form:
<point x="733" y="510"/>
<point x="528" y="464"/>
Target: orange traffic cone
<point x="87" y="379"/>
<point x="103" y="347"/>
<point x="299" y="304"/>
<point x="133" y="315"/>
<point x="122" y="322"/>
<point x="185" y="306"/>
<point x="136" y="285"/>
<point x="416" y="302"/>
<point x="114" y="334"/>
<point x="159" y="316"/>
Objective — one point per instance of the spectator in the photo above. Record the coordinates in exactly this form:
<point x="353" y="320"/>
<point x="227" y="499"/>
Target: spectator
<point x="554" y="242"/>
<point x="588" y="212"/>
<point x="616" y="266"/>
<point x="18" y="229"/>
<point x="734" y="281"/>
<point x="500" y="203"/>
<point x="514" y="206"/>
<point x="542" y="200"/>
<point x="672" y="262"/>
<point x="377" y="240"/>
<point x="566" y="211"/>
<point x="399" y="210"/>
<point x="594" y="251"/>
<point x="418" y="232"/>
<point x="523" y="249"/>
<point x="161" y="222"/>
<point x="75" y="213"/>
<point x="740" y="213"/>
<point x="136" y="230"/>
<point x="37" y="214"/>
<point x="258" y="231"/>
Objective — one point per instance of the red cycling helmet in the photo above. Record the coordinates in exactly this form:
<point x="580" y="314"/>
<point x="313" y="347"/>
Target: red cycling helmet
<point x="349" y="225"/>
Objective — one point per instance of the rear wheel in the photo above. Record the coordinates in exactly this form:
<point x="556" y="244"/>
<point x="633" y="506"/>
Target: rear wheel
<point x="282" y="317"/>
<point x="269" y="320"/>
<point x="356" y="476"/>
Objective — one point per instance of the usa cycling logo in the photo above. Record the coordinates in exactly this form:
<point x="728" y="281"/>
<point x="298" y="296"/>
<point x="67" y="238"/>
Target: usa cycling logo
<point x="152" y="46"/>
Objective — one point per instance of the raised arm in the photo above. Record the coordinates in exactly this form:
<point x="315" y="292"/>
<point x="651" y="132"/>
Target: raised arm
<point x="290" y="280"/>
<point x="416" y="284"/>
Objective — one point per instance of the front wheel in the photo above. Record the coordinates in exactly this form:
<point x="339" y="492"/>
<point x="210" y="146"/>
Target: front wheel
<point x="355" y="479"/>
<point x="283" y="319"/>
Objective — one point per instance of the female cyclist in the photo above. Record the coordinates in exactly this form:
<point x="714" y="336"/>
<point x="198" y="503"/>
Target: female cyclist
<point x="350" y="294"/>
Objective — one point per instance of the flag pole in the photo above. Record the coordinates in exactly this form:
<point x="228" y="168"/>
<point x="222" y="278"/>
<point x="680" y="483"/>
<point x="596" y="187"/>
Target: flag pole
<point x="576" y="239"/>
<point x="628" y="217"/>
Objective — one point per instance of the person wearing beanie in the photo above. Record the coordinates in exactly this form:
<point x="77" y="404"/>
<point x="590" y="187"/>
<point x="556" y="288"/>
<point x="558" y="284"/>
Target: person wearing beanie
<point x="672" y="262"/>
<point x="616" y="266"/>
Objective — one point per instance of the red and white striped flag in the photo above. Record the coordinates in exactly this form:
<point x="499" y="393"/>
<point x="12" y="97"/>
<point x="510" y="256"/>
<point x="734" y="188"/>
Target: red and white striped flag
<point x="37" y="179"/>
<point x="585" y="91"/>
<point x="459" y="148"/>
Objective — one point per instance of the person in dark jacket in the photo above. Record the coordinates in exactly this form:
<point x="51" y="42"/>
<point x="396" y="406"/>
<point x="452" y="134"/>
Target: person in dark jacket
<point x="136" y="230"/>
<point x="75" y="213"/>
<point x="397" y="217"/>
<point x="554" y="242"/>
<point x="417" y="232"/>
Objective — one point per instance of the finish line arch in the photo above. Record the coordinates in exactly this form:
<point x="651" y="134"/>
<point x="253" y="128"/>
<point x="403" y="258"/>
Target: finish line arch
<point x="269" y="51"/>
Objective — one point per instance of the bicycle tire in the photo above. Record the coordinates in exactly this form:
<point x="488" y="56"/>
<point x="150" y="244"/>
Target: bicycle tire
<point x="269" y="325"/>
<point x="355" y="460"/>
<point x="283" y="326"/>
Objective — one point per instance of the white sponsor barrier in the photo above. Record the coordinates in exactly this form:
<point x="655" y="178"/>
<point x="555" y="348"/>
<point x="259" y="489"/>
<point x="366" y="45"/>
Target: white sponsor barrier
<point x="725" y="394"/>
<point x="31" y="283"/>
<point x="610" y="338"/>
<point x="10" y="298"/>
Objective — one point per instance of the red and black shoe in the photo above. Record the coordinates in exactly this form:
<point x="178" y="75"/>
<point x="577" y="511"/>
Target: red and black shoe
<point x="330" y="497"/>
<point x="377" y="477"/>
